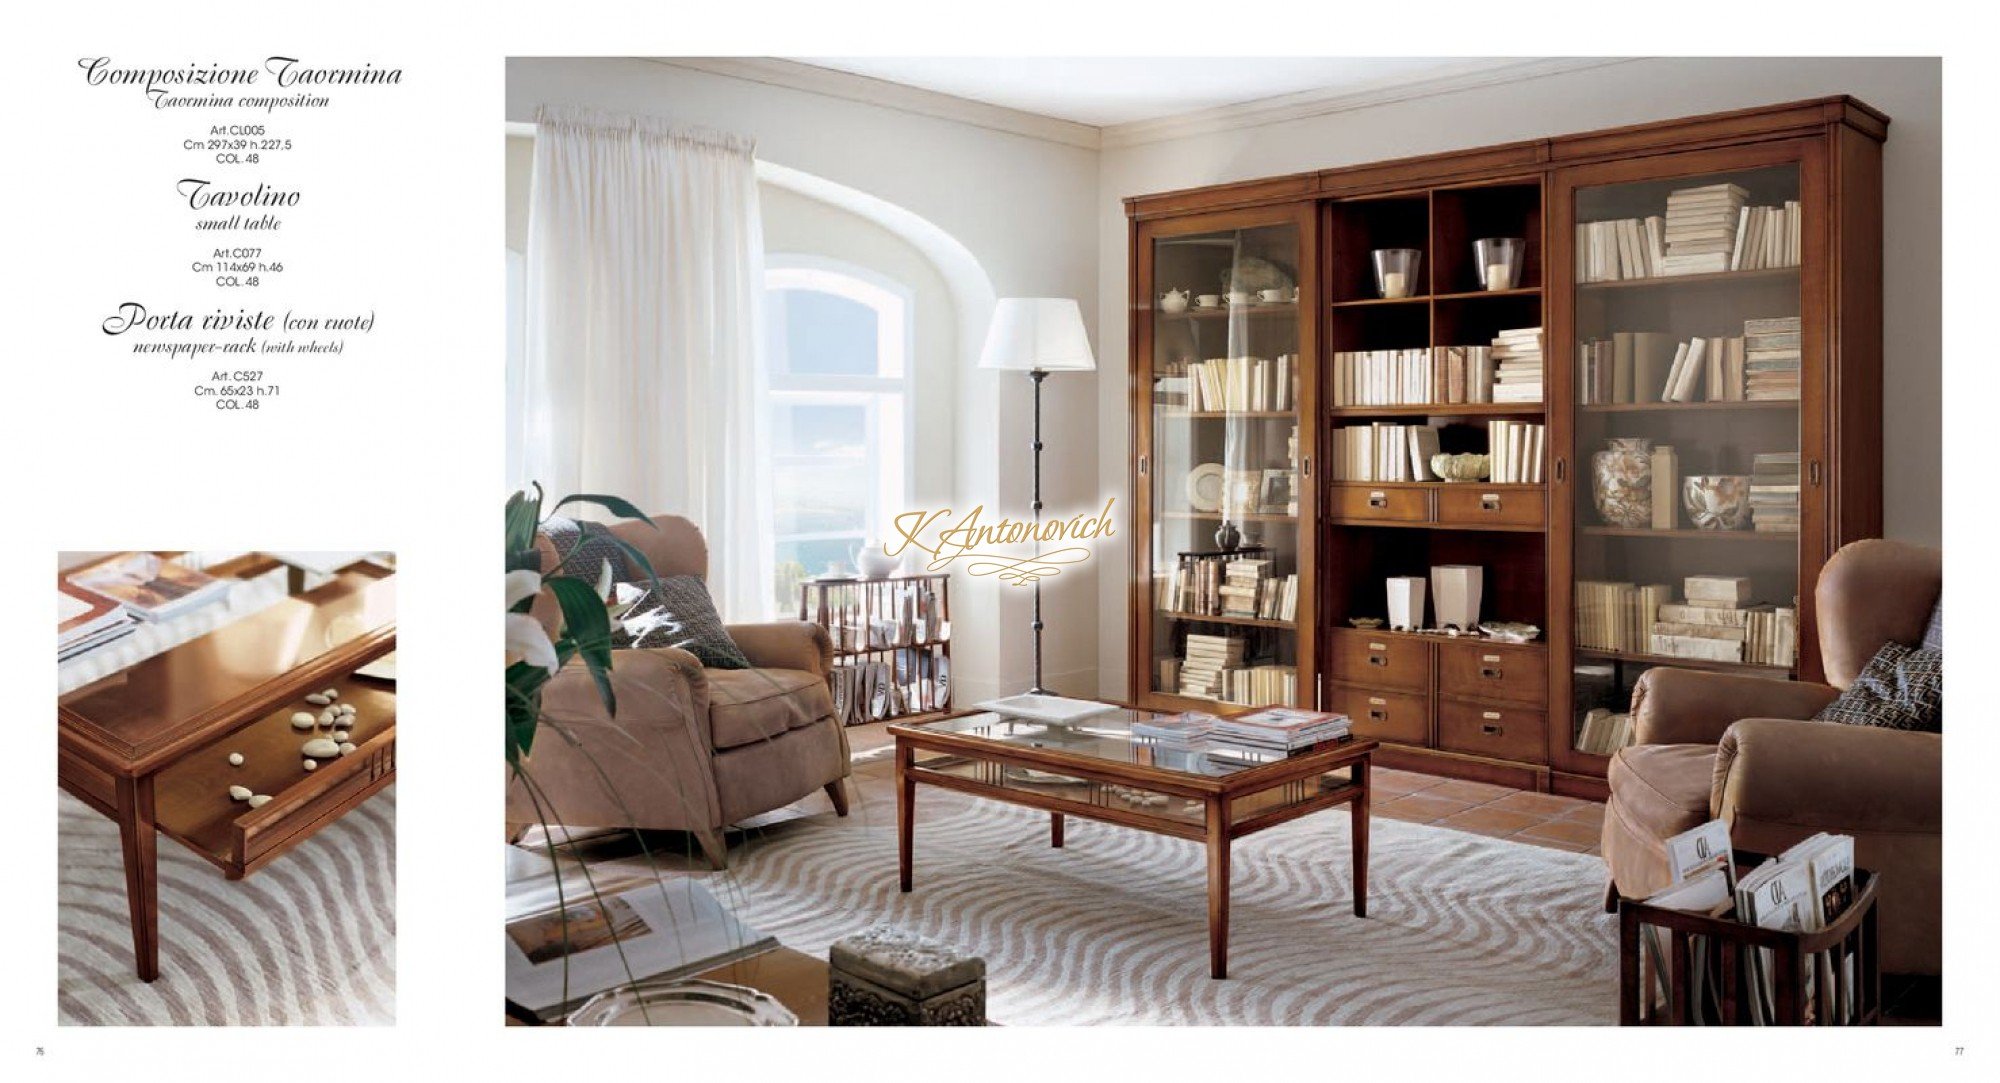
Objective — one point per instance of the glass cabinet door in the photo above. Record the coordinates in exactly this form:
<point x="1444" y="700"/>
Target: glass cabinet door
<point x="1224" y="465"/>
<point x="1689" y="359"/>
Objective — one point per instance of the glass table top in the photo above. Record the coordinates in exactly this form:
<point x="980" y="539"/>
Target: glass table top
<point x="1108" y="737"/>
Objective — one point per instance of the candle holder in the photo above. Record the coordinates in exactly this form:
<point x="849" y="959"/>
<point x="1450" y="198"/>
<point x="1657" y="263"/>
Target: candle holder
<point x="1499" y="260"/>
<point x="1396" y="271"/>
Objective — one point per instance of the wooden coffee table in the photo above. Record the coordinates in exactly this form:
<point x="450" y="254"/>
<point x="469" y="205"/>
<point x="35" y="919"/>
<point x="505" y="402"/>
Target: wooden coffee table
<point x="1096" y="769"/>
<point x="149" y="746"/>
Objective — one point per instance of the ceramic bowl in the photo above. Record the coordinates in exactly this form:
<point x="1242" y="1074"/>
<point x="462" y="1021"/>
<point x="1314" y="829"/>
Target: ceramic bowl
<point x="1511" y="631"/>
<point x="1717" y="501"/>
<point x="1465" y="467"/>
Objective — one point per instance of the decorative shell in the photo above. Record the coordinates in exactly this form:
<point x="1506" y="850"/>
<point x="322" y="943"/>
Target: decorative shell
<point x="1463" y="467"/>
<point x="1511" y="631"/>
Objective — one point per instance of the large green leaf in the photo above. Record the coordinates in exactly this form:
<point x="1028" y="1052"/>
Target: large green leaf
<point x="524" y="514"/>
<point x="618" y="506"/>
<point x="588" y="628"/>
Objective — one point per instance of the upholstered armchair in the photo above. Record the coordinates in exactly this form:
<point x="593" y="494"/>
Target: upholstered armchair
<point x="691" y="749"/>
<point x="1740" y="749"/>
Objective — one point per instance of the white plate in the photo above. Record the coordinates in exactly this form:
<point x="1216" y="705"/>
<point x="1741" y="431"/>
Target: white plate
<point x="1053" y="710"/>
<point x="1205" y="487"/>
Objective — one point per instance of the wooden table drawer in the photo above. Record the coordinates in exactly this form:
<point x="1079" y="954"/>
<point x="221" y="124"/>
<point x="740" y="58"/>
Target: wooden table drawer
<point x="1385" y="715"/>
<point x="1502" y="733"/>
<point x="262" y="834"/>
<point x="1383" y="661"/>
<point x="1475" y="505"/>
<point x="1389" y="504"/>
<point x="1482" y="669"/>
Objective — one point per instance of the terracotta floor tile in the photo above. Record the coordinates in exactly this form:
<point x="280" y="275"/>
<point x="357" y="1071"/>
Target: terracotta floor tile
<point x="1472" y="793"/>
<point x="1545" y="806"/>
<point x="1569" y="831"/>
<point x="1591" y="813"/>
<point x="1391" y="782"/>
<point x="1421" y="807"/>
<point x="1552" y="844"/>
<point x="1487" y="820"/>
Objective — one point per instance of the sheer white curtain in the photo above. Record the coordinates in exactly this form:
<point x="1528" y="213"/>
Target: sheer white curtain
<point x="644" y="291"/>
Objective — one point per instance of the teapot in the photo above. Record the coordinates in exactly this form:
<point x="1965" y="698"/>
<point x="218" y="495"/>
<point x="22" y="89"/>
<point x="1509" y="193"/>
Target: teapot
<point x="1174" y="301"/>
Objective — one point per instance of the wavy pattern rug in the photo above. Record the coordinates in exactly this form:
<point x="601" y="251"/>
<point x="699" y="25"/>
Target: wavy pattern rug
<point x="1112" y="928"/>
<point x="308" y="940"/>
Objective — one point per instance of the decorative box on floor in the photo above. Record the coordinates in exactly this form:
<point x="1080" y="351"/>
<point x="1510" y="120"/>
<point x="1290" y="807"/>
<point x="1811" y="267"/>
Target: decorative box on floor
<point x="886" y="977"/>
<point x="1722" y="971"/>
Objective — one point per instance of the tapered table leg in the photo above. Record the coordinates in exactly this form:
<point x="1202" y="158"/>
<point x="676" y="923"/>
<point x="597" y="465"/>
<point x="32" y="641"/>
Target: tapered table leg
<point x="139" y="838"/>
<point x="1359" y="811"/>
<point x="1218" y="887"/>
<point x="1056" y="830"/>
<point x="906" y="812"/>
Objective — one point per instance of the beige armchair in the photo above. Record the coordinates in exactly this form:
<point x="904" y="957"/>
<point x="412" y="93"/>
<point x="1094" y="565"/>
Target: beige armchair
<point x="1737" y="748"/>
<point x="691" y="749"/>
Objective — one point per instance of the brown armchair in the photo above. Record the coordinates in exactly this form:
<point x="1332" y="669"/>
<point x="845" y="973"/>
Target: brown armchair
<point x="1740" y="749"/>
<point x="691" y="749"/>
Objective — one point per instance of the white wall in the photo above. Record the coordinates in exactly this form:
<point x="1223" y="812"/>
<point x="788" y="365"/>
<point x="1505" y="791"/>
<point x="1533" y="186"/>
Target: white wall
<point x="1909" y="91"/>
<point x="1027" y="211"/>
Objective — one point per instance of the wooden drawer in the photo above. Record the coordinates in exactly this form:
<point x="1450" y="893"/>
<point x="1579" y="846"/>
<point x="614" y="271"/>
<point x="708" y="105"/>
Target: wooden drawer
<point x="1481" y="669"/>
<point x="1476" y="505"/>
<point x="262" y="834"/>
<point x="1382" y="661"/>
<point x="1502" y="733"/>
<point x="1386" y="503"/>
<point x="1385" y="715"/>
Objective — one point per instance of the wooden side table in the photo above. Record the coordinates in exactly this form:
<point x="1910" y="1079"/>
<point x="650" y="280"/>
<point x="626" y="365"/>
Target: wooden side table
<point x="149" y="747"/>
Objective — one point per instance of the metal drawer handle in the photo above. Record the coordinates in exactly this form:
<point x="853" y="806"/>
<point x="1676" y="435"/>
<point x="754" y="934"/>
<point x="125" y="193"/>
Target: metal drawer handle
<point x="1489" y="501"/>
<point x="1489" y="658"/>
<point x="1377" y="700"/>
<point x="1378" y="716"/>
<point x="1495" y="715"/>
<point x="1491" y="730"/>
<point x="1378" y="660"/>
<point x="1378" y="499"/>
<point x="1491" y="673"/>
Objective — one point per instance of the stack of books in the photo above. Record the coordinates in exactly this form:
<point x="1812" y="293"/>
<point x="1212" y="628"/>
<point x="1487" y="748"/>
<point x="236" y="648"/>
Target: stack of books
<point x="1720" y="623"/>
<point x="1184" y="732"/>
<point x="1204" y="661"/>
<point x="1767" y="237"/>
<point x="1514" y="451"/>
<point x="1243" y="583"/>
<point x="86" y="621"/>
<point x="1467" y="373"/>
<point x="1701" y="228"/>
<point x="1517" y="365"/>
<point x="1279" y="729"/>
<point x="149" y="587"/>
<point x="1618" y="616"/>
<point x="1771" y="359"/>
<point x="1243" y="383"/>
<point x="1621" y="248"/>
<point x="1774" y="492"/>
<point x="1255" y="685"/>
<point x="1604" y="731"/>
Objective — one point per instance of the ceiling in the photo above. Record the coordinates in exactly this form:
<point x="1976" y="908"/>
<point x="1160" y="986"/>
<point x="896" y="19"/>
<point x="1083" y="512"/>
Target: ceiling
<point x="1107" y="91"/>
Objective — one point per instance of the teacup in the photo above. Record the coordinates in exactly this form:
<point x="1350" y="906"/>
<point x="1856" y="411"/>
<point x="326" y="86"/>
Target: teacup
<point x="1239" y="297"/>
<point x="1273" y="296"/>
<point x="1208" y="300"/>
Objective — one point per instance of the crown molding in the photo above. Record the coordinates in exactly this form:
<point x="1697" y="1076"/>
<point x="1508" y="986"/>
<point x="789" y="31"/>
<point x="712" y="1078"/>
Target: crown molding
<point x="794" y="75"/>
<point x="1314" y="103"/>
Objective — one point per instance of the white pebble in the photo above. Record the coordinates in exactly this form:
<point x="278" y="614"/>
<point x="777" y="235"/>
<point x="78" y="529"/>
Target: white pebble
<point x="318" y="699"/>
<point x="340" y="735"/>
<point x="326" y="718"/>
<point x="312" y="765"/>
<point x="319" y="748"/>
<point x="345" y="749"/>
<point x="302" y="721"/>
<point x="239" y="793"/>
<point x="331" y="693"/>
<point x="236" y="759"/>
<point x="260" y="800"/>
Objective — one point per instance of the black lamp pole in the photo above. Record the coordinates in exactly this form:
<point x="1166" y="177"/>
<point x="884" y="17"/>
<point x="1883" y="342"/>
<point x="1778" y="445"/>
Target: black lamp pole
<point x="1037" y="375"/>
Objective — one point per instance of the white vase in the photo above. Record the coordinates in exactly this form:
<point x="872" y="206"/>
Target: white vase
<point x="1455" y="595"/>
<point x="1406" y="603"/>
<point x="874" y="563"/>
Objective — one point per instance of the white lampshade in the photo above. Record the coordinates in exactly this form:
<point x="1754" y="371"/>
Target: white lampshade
<point x="1031" y="333"/>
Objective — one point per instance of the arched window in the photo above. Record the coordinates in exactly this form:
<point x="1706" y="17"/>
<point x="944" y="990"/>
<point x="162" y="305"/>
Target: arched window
<point x="837" y="350"/>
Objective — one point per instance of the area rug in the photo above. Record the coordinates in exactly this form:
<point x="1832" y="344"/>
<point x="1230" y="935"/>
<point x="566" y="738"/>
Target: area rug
<point x="307" y="940"/>
<point x="1112" y="929"/>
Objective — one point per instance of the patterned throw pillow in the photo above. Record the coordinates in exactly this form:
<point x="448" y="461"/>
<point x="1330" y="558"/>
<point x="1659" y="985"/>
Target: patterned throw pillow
<point x="677" y="612"/>
<point x="1900" y="688"/>
<point x="1934" y="631"/>
<point x="595" y="545"/>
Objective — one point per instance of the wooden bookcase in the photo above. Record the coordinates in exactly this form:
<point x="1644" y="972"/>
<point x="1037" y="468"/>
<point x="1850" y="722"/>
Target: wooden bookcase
<point x="1472" y="707"/>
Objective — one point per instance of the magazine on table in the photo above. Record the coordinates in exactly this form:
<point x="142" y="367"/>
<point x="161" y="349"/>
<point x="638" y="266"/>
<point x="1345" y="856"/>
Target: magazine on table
<point x="150" y="587"/>
<point x="86" y="620"/>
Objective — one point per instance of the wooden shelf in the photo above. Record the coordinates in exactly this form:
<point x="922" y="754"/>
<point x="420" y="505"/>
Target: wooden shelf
<point x="1789" y="537"/>
<point x="1443" y="409"/>
<point x="1473" y="295"/>
<point x="1365" y="302"/>
<point x="1175" y="414"/>
<point x="860" y="652"/>
<point x="1781" y="672"/>
<point x="1437" y="637"/>
<point x="1511" y="486"/>
<point x="1248" y="622"/>
<point x="1242" y="517"/>
<point x="1789" y="405"/>
<point x="1287" y="308"/>
<point x="1717" y="278"/>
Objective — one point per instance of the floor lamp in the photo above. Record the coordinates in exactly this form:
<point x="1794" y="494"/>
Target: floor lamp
<point x="1037" y="335"/>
